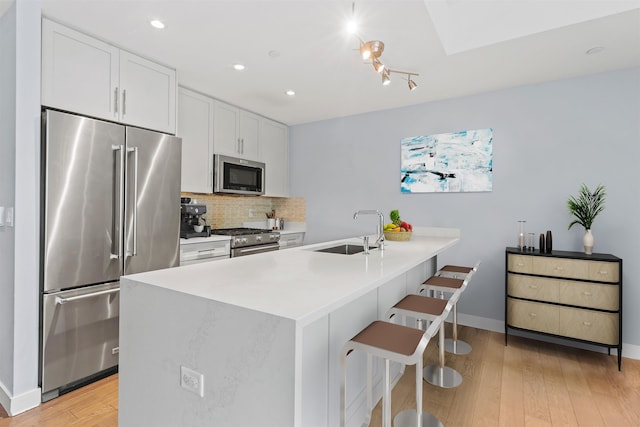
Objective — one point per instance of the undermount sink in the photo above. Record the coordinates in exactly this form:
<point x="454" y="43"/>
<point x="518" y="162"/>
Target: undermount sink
<point x="345" y="249"/>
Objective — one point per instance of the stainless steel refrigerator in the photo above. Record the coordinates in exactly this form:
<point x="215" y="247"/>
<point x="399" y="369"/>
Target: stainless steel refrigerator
<point x="110" y="206"/>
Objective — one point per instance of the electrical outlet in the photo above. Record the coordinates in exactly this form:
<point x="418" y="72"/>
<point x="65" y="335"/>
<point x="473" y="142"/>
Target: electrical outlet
<point x="192" y="381"/>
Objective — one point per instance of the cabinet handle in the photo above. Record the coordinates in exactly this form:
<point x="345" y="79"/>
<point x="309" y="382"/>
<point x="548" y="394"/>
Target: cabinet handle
<point x="586" y="293"/>
<point x="520" y="264"/>
<point x="124" y="102"/>
<point x="115" y="100"/>
<point x="533" y="286"/>
<point x="242" y="146"/>
<point x="532" y="314"/>
<point x="585" y="323"/>
<point x="604" y="273"/>
<point x="559" y="269"/>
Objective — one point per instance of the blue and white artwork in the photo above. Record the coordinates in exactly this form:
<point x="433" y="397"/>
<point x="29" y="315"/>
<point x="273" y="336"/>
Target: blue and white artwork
<point x="448" y="162"/>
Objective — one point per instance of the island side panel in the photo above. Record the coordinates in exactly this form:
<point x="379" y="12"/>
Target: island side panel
<point x="245" y="357"/>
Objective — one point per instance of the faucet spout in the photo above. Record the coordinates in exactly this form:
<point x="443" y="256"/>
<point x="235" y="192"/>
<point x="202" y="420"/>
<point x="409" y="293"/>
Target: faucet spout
<point x="379" y="228"/>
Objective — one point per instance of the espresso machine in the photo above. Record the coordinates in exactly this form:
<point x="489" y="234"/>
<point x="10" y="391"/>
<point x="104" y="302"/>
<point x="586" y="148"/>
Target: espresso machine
<point x="190" y="215"/>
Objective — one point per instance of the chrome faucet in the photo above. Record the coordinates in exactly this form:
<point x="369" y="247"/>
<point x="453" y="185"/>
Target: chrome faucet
<point x="379" y="229"/>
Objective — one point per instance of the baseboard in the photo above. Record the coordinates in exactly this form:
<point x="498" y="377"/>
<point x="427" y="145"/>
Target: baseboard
<point x="21" y="403"/>
<point x="628" y="350"/>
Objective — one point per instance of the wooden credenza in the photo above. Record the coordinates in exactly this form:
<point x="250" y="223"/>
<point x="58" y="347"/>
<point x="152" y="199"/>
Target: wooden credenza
<point x="565" y="294"/>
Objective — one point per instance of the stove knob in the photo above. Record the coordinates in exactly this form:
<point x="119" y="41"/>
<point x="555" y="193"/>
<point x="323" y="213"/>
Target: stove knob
<point x="245" y="240"/>
<point x="259" y="238"/>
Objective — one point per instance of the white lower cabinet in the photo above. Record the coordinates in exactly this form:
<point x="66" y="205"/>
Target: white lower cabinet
<point x="291" y="240"/>
<point x="195" y="127"/>
<point x="84" y="75"/>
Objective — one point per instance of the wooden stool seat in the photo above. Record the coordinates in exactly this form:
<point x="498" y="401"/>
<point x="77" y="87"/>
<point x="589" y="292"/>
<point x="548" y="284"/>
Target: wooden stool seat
<point x="456" y="269"/>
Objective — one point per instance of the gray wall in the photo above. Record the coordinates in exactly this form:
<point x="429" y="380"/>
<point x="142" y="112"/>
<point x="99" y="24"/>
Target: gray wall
<point x="548" y="139"/>
<point x="19" y="288"/>
<point x="7" y="185"/>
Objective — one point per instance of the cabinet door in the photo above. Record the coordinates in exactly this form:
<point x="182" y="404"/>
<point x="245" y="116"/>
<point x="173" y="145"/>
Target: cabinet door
<point x="195" y="127"/>
<point x="249" y="135"/>
<point x="79" y="73"/>
<point x="274" y="152"/>
<point x="148" y="93"/>
<point x="225" y="129"/>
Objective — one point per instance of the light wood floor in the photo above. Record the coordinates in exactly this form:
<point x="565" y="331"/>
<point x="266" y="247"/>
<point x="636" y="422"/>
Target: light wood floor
<point x="528" y="383"/>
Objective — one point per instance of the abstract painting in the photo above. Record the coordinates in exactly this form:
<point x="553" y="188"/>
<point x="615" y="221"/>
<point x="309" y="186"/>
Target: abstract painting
<point x="448" y="162"/>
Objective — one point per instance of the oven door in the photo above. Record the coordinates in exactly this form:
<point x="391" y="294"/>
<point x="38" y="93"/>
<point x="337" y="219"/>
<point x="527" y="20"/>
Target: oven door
<point x="250" y="250"/>
<point x="79" y="336"/>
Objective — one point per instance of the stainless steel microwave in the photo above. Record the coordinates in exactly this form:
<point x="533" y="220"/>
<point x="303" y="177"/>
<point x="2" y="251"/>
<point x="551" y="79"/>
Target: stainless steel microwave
<point x="232" y="175"/>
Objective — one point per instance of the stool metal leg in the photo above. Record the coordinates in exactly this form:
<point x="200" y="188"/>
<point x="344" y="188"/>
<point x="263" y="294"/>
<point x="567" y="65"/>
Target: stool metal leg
<point x="386" y="397"/>
<point x="410" y="417"/>
<point x="440" y="375"/>
<point x="454" y="345"/>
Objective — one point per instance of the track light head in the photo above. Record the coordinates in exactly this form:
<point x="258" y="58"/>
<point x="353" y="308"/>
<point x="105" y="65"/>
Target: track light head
<point x="371" y="49"/>
<point x="412" y="84"/>
<point x="386" y="80"/>
<point x="377" y="65"/>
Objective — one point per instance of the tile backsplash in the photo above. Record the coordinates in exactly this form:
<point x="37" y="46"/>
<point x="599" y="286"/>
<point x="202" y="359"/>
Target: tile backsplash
<point x="232" y="211"/>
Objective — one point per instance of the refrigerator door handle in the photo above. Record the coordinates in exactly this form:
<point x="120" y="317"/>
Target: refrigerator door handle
<point x="62" y="300"/>
<point x="134" y="150"/>
<point x="121" y="203"/>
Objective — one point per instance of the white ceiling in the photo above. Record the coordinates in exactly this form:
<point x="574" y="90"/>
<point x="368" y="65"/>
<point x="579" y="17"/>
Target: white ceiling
<point x="458" y="47"/>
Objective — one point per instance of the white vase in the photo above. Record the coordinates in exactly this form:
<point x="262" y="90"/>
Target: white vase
<point x="587" y="241"/>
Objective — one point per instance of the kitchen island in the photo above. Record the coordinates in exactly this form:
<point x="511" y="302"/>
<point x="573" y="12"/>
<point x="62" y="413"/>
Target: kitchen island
<point x="262" y="334"/>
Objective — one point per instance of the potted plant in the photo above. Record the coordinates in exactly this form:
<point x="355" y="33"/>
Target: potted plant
<point x="585" y="208"/>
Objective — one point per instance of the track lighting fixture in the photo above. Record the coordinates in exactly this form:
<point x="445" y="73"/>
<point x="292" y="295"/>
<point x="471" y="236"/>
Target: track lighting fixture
<point x="372" y="50"/>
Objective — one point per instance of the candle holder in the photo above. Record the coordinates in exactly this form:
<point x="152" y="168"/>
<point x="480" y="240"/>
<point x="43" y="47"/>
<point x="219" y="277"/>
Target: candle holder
<point x="521" y="243"/>
<point x="531" y="241"/>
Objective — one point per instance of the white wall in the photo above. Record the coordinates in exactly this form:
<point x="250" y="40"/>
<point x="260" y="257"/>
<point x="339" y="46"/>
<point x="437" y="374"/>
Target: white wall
<point x="548" y="139"/>
<point x="19" y="341"/>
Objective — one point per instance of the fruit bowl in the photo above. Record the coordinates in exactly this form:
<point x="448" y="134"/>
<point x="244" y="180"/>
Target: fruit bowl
<point x="397" y="236"/>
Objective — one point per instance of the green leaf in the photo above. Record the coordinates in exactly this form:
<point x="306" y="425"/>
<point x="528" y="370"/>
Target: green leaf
<point x="586" y="206"/>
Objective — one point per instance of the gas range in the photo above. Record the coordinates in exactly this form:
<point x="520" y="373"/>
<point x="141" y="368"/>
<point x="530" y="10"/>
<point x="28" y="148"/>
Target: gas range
<point x="246" y="241"/>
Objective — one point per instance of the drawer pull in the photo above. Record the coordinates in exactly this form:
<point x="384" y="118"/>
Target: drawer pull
<point x="603" y="272"/>
<point x="559" y="269"/>
<point x="533" y="286"/>
<point x="585" y="323"/>
<point x="586" y="293"/>
<point x="520" y="264"/>
<point x="532" y="314"/>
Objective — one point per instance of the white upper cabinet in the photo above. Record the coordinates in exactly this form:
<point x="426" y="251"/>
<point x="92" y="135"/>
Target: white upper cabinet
<point x="79" y="73"/>
<point x="148" y="93"/>
<point x="88" y="76"/>
<point x="195" y="127"/>
<point x="235" y="132"/>
<point x="274" y="152"/>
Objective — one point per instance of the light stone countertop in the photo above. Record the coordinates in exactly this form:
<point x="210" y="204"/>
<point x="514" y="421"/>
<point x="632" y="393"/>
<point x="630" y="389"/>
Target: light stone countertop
<point x="212" y="238"/>
<point x="299" y="283"/>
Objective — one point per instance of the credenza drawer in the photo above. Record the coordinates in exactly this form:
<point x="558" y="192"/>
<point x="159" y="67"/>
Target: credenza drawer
<point x="560" y="267"/>
<point x="604" y="271"/>
<point x="589" y="295"/>
<point x="520" y="263"/>
<point x="532" y="287"/>
<point x="534" y="316"/>
<point x="589" y="325"/>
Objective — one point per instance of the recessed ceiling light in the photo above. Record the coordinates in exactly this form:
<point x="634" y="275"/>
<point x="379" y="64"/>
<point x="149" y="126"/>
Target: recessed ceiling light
<point x="156" y="23"/>
<point x="238" y="67"/>
<point x="291" y="92"/>
<point x="594" y="50"/>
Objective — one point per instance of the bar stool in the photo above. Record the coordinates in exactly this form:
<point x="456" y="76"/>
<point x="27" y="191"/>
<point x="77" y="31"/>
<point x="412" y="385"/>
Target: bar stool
<point x="453" y="344"/>
<point x="435" y="311"/>
<point x="392" y="342"/>
<point x="441" y="375"/>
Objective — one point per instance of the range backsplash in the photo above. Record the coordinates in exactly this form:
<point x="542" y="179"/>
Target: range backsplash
<point x="232" y="211"/>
